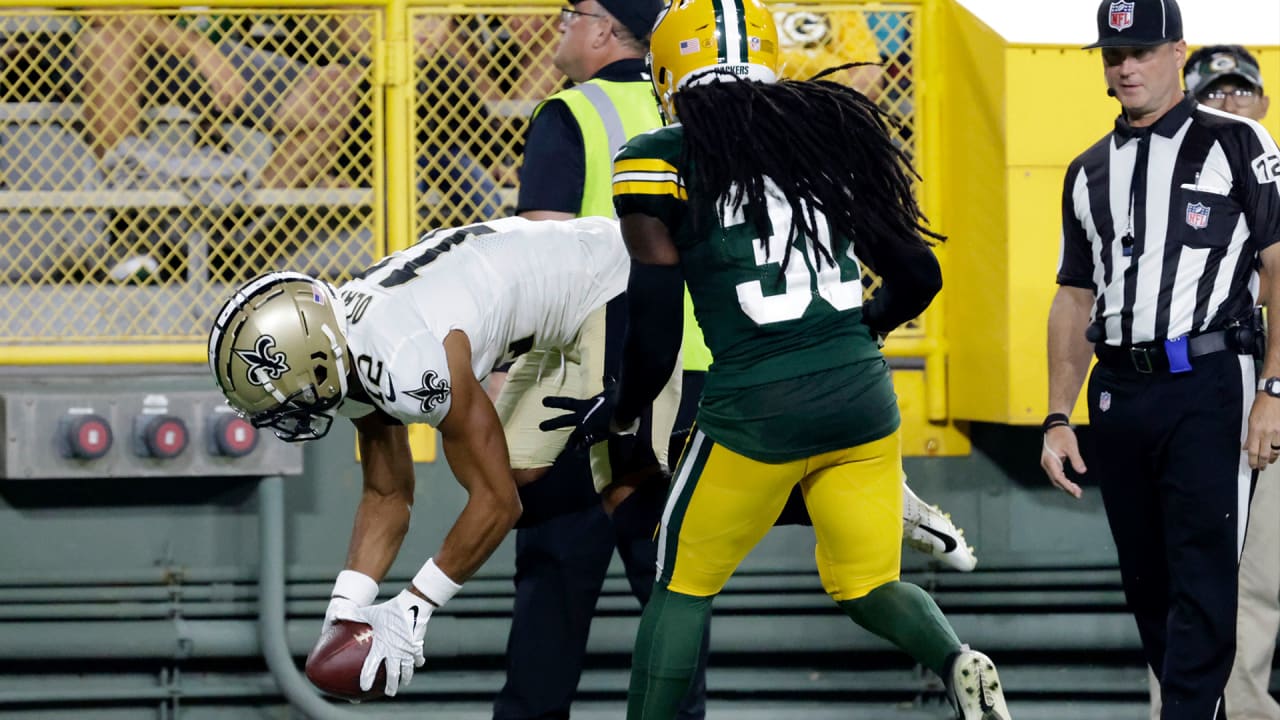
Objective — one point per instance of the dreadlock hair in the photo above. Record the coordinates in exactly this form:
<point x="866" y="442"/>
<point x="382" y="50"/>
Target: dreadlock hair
<point x="827" y="148"/>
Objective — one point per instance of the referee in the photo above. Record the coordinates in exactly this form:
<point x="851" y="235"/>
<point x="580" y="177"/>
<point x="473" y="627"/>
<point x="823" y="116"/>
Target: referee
<point x="1165" y="221"/>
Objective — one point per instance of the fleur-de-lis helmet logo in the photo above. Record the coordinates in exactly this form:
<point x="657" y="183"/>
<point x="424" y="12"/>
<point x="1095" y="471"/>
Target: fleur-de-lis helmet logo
<point x="264" y="365"/>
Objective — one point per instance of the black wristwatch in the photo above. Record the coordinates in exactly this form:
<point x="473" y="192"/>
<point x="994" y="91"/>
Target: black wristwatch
<point x="1270" y="386"/>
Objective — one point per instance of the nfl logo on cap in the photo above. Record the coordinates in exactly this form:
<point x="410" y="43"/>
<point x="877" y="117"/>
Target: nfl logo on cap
<point x="1104" y="401"/>
<point x="1198" y="215"/>
<point x="1137" y="23"/>
<point x="1121" y="15"/>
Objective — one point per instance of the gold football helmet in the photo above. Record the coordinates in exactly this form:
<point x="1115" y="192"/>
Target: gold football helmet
<point x="278" y="351"/>
<point x="696" y="41"/>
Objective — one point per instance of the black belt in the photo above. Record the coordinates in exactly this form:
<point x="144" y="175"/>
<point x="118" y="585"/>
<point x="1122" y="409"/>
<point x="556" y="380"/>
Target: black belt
<point x="1150" y="357"/>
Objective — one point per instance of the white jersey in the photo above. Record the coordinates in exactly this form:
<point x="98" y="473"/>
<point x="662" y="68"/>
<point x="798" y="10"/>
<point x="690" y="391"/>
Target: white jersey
<point x="511" y="285"/>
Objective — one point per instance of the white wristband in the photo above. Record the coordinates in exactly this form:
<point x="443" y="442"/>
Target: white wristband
<point x="356" y="586"/>
<point x="434" y="584"/>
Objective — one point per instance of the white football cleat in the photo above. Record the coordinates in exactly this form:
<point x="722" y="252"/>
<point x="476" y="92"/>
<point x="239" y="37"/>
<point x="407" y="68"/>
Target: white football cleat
<point x="974" y="688"/>
<point x="927" y="529"/>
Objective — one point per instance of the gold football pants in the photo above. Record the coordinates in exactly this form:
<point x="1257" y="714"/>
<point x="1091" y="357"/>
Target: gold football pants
<point x="722" y="503"/>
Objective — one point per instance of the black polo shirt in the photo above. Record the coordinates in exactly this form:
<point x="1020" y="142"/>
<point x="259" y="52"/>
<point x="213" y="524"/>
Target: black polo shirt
<point x="555" y="169"/>
<point x="1164" y="223"/>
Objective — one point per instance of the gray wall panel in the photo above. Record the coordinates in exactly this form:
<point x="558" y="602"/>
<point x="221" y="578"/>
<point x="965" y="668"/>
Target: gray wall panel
<point x="129" y="552"/>
<point x="997" y="494"/>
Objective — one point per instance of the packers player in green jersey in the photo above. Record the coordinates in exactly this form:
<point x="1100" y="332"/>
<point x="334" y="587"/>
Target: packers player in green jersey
<point x="767" y="198"/>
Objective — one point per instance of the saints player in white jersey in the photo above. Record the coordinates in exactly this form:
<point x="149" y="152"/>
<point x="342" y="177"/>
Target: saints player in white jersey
<point x="409" y="341"/>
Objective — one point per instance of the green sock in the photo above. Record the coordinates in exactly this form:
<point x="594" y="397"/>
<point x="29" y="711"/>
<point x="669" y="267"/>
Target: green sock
<point x="906" y="616"/>
<point x="667" y="649"/>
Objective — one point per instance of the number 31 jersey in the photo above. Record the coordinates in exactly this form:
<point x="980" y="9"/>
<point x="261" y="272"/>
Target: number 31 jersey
<point x="510" y="285"/>
<point x="780" y="336"/>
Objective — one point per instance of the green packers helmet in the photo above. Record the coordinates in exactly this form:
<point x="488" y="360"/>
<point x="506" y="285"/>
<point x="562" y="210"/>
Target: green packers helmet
<point x="697" y="41"/>
<point x="278" y="351"/>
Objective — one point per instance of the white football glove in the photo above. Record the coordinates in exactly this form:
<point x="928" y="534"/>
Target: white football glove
<point x="399" y="626"/>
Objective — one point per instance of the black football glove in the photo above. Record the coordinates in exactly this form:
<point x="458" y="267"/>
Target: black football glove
<point x="588" y="417"/>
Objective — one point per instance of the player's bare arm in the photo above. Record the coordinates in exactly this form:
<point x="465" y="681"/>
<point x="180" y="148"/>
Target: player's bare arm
<point x="477" y="453"/>
<point x="382" y="518"/>
<point x="649" y="240"/>
<point x="476" y="449"/>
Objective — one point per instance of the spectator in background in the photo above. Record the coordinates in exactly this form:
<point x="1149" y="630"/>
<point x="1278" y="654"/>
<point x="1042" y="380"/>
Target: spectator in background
<point x="1226" y="77"/>
<point x="521" y="48"/>
<point x="306" y="107"/>
<point x="453" y="128"/>
<point x="479" y="76"/>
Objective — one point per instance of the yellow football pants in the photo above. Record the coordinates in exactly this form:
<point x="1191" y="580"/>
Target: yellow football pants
<point x="721" y="504"/>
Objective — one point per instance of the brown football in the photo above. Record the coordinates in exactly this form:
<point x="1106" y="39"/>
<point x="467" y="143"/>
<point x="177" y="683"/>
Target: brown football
<point x="334" y="663"/>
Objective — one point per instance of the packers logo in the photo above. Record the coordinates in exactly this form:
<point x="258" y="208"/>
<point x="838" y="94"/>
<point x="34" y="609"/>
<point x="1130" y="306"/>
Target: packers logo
<point x="802" y="29"/>
<point x="1222" y="62"/>
<point x="264" y="365"/>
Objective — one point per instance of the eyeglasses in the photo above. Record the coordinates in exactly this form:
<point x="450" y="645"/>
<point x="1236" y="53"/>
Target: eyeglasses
<point x="568" y="15"/>
<point x="1241" y="97"/>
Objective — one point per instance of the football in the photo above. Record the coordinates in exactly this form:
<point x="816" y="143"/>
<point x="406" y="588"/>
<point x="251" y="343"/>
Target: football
<point x="334" y="663"/>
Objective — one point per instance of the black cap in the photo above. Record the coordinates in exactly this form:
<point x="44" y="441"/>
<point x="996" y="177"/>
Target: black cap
<point x="1225" y="61"/>
<point x="1138" y="23"/>
<point x="637" y="16"/>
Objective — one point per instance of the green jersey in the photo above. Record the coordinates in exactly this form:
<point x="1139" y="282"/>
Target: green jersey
<point x="794" y="371"/>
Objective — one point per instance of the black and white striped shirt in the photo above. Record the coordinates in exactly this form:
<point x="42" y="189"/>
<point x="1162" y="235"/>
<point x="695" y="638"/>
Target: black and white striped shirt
<point x="1164" y="223"/>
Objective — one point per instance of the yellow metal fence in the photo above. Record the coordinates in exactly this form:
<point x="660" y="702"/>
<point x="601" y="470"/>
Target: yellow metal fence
<point x="150" y="159"/>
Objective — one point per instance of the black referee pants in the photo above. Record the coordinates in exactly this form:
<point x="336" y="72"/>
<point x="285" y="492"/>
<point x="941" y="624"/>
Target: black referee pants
<point x="1176" y="484"/>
